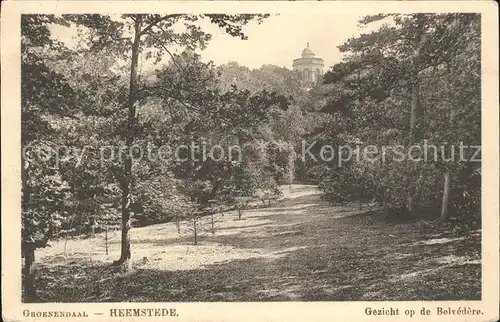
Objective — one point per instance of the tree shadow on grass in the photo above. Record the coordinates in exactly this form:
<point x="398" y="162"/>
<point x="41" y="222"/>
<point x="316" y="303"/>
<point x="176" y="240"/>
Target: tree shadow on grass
<point x="166" y="241"/>
<point x="319" y="273"/>
<point x="255" y="279"/>
<point x="242" y="227"/>
<point x="352" y="258"/>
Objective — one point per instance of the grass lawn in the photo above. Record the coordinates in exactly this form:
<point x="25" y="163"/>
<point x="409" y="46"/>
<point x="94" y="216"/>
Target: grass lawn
<point x="299" y="249"/>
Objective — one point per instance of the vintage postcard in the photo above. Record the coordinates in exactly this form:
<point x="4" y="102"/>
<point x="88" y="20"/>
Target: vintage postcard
<point x="250" y="161"/>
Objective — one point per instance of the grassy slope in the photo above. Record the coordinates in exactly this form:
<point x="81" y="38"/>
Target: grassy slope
<point x="298" y="249"/>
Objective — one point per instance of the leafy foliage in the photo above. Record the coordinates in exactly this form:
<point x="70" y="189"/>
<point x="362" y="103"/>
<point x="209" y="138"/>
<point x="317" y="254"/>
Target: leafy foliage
<point x="406" y="83"/>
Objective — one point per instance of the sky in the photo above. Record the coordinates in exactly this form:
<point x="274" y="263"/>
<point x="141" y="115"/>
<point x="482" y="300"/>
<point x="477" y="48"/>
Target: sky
<point x="280" y="39"/>
<point x="277" y="40"/>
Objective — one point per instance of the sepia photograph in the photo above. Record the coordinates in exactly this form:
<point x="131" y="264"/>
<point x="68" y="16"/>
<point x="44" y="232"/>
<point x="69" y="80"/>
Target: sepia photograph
<point x="251" y="157"/>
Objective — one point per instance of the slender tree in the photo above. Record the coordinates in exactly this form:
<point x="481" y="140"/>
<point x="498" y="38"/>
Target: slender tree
<point x="148" y="34"/>
<point x="45" y="97"/>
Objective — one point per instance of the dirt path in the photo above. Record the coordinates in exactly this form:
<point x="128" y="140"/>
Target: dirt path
<point x="261" y="231"/>
<point x="300" y="248"/>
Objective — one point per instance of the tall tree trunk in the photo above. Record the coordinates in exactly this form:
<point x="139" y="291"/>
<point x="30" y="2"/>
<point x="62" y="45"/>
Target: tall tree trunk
<point x="178" y="225"/>
<point x="27" y="248"/>
<point x="447" y="174"/>
<point x="106" y="238"/>
<point x="92" y="225"/>
<point x="26" y="189"/>
<point x="415" y="112"/>
<point x="125" y="258"/>
<point x="29" y="272"/>
<point x="195" y="231"/>
<point x="446" y="195"/>
<point x="415" y="108"/>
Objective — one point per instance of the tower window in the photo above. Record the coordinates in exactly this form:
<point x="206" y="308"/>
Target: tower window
<point x="307" y="74"/>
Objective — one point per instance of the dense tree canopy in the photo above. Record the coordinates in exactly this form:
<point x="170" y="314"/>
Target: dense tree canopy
<point x="414" y="81"/>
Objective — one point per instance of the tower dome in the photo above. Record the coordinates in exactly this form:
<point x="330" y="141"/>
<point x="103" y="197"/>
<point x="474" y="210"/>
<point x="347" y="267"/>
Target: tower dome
<point x="307" y="52"/>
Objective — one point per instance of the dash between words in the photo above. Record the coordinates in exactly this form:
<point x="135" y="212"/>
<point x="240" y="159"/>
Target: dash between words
<point x="129" y="312"/>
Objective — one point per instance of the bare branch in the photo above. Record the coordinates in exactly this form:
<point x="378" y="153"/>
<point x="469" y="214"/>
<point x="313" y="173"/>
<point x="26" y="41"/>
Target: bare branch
<point x="190" y="107"/>
<point x="166" y="49"/>
<point x="154" y="23"/>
